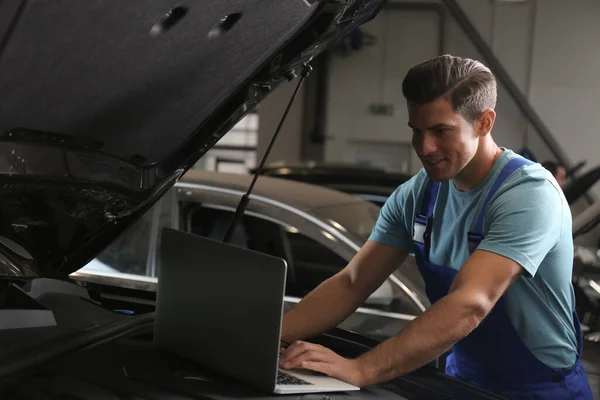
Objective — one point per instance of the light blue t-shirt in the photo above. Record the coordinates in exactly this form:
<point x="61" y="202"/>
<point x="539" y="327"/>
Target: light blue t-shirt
<point x="529" y="221"/>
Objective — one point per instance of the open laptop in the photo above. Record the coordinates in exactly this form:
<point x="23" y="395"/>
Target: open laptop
<point x="221" y="306"/>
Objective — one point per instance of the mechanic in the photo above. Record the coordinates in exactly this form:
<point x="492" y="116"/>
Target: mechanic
<point x="491" y="233"/>
<point x="558" y="171"/>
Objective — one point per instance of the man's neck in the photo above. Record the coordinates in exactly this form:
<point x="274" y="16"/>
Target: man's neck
<point x="479" y="167"/>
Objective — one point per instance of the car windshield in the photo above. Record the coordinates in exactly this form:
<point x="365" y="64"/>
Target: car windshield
<point x="358" y="217"/>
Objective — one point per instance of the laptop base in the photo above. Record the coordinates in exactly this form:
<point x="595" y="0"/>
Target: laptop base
<point x="314" y="383"/>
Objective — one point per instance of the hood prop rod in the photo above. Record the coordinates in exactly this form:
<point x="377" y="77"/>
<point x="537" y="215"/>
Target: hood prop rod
<point x="241" y="208"/>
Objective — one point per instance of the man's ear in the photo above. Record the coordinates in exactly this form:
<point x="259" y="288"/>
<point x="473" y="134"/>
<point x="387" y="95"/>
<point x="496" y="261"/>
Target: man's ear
<point x="486" y="122"/>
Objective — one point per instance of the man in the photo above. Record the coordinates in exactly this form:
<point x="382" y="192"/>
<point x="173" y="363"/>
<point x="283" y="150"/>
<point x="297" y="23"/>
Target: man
<point x="491" y="233"/>
<point x="558" y="171"/>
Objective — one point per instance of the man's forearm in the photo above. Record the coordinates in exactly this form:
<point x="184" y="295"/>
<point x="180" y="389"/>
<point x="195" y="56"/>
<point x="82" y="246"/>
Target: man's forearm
<point x="422" y="340"/>
<point x="322" y="309"/>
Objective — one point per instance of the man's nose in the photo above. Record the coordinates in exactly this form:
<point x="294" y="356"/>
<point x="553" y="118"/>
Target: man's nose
<point x="425" y="144"/>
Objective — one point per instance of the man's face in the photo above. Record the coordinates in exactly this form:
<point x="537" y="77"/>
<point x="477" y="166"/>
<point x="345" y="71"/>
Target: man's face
<point x="561" y="176"/>
<point x="444" y="141"/>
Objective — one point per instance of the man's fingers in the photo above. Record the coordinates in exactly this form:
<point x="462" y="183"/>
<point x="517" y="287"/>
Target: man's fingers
<point x="308" y="355"/>
<point x="296" y="349"/>
<point x="319" y="359"/>
<point x="319" y="366"/>
<point x="293" y="350"/>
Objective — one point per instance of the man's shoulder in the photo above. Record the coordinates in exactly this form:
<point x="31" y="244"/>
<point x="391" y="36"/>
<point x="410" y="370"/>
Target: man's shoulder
<point x="532" y="185"/>
<point x="532" y="176"/>
<point x="411" y="188"/>
<point x="393" y="227"/>
<point x="402" y="201"/>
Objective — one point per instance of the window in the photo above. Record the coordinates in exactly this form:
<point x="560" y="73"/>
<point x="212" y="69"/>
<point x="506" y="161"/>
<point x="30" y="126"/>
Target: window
<point x="129" y="252"/>
<point x="309" y="262"/>
<point x="135" y="250"/>
<point x="313" y="262"/>
<point x="213" y="224"/>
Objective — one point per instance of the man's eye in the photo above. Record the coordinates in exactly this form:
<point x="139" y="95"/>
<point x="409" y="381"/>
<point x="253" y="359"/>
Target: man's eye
<point x="442" y="130"/>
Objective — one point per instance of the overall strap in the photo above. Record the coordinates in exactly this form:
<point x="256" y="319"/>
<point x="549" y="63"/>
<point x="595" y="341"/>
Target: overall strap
<point x="424" y="221"/>
<point x="475" y="236"/>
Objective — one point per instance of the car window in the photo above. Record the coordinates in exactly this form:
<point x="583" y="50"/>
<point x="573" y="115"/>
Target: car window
<point x="251" y="233"/>
<point x="165" y="216"/>
<point x="135" y="251"/>
<point x="313" y="262"/>
<point x="213" y="224"/>
<point x="309" y="262"/>
<point x="129" y="252"/>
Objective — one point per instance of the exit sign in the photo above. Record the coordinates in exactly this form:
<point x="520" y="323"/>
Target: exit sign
<point x="381" y="109"/>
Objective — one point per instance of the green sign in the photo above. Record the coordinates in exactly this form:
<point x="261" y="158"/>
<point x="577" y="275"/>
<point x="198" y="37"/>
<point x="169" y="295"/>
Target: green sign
<point x="381" y="109"/>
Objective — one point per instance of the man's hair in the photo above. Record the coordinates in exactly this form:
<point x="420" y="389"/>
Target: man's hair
<point x="468" y="84"/>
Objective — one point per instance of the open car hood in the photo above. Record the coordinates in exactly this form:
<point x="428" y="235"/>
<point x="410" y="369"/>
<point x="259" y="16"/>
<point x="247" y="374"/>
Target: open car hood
<point x="105" y="103"/>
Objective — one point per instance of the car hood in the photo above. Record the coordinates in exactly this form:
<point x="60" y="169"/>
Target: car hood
<point x="105" y="104"/>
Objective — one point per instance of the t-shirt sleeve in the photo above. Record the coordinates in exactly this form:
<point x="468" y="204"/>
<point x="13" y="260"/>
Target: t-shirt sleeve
<point x="391" y="226"/>
<point x="525" y="223"/>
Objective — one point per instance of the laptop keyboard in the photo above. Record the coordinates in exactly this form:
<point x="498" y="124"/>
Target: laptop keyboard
<point x="286" y="379"/>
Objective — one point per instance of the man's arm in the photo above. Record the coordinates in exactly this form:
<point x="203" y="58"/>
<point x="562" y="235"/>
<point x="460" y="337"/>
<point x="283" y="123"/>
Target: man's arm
<point x="473" y="294"/>
<point x="339" y="296"/>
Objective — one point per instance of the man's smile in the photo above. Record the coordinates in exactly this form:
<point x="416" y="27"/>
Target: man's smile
<point x="432" y="162"/>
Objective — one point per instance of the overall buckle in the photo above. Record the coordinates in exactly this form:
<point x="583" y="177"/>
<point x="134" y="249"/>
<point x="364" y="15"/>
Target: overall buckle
<point x="422" y="229"/>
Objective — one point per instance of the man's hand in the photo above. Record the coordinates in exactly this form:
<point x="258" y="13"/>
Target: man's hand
<point x="321" y="359"/>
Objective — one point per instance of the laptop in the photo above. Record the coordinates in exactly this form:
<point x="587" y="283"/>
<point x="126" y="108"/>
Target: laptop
<point x="221" y="306"/>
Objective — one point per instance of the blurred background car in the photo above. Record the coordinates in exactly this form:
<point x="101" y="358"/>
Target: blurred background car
<point x="367" y="182"/>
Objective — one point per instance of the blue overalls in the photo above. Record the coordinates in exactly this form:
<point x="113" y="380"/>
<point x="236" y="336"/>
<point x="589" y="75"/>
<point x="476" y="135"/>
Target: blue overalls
<point x="493" y="355"/>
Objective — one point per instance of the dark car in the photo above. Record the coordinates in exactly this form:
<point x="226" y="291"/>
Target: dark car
<point x="367" y="182"/>
<point x="105" y="105"/>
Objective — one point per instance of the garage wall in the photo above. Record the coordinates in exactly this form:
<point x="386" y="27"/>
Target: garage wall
<point x="565" y="85"/>
<point x="550" y="49"/>
<point x="540" y="43"/>
<point x="527" y="37"/>
<point x="288" y="145"/>
<point x="566" y="90"/>
<point x="371" y="77"/>
<point x="507" y="28"/>
<point x="404" y="38"/>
